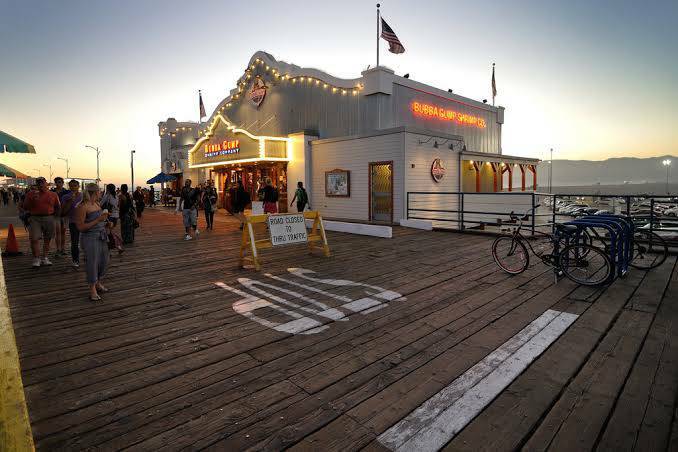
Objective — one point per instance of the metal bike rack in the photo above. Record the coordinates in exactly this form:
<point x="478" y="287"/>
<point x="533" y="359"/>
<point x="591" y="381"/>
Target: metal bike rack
<point x="620" y="233"/>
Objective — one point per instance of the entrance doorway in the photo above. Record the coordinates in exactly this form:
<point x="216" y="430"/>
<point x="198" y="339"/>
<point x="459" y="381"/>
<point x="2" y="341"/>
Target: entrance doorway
<point x="381" y="192"/>
<point x="253" y="177"/>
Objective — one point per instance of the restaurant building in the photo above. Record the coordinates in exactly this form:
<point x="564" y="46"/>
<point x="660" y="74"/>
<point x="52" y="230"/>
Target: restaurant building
<point x="358" y="145"/>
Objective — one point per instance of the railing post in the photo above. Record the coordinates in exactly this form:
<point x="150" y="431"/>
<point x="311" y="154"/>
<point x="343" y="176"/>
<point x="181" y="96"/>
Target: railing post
<point x="461" y="202"/>
<point x="651" y="216"/>
<point x="553" y="220"/>
<point x="534" y="212"/>
<point x="407" y="214"/>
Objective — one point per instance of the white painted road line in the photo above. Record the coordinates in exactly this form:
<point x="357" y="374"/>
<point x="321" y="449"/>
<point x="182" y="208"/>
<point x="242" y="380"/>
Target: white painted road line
<point x="440" y="418"/>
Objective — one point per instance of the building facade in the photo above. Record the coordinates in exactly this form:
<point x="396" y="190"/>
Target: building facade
<point x="358" y="145"/>
<point x="176" y="140"/>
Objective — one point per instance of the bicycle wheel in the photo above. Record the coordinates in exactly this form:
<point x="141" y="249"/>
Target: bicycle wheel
<point x="649" y="250"/>
<point x="585" y="264"/>
<point x="510" y="255"/>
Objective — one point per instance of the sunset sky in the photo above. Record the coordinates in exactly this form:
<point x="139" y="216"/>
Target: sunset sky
<point x="591" y="79"/>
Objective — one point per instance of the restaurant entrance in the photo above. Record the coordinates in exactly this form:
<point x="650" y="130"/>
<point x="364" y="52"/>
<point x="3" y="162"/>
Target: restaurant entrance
<point x="253" y="177"/>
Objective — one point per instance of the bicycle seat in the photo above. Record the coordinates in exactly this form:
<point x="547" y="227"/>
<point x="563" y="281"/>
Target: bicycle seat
<point x="566" y="227"/>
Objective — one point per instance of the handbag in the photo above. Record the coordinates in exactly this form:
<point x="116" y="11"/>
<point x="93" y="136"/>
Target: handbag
<point x="114" y="241"/>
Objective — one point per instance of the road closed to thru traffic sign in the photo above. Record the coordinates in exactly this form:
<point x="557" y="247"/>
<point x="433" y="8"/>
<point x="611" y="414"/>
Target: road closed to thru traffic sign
<point x="287" y="229"/>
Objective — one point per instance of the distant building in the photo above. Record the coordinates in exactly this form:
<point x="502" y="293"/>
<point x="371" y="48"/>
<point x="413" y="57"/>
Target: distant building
<point x="176" y="139"/>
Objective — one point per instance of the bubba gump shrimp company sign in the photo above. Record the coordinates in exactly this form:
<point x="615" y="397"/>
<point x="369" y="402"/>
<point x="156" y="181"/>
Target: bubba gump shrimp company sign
<point x="226" y="147"/>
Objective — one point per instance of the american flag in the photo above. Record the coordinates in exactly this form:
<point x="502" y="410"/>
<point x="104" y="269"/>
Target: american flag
<point x="394" y="44"/>
<point x="494" y="85"/>
<point x="202" y="106"/>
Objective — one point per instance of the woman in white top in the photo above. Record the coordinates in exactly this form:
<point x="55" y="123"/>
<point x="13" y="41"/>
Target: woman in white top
<point x="110" y="201"/>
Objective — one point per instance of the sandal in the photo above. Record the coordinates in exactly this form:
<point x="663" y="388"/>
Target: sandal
<point x="97" y="298"/>
<point x="102" y="289"/>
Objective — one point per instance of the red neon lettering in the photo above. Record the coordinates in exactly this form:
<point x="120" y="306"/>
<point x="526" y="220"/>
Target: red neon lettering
<point x="427" y="110"/>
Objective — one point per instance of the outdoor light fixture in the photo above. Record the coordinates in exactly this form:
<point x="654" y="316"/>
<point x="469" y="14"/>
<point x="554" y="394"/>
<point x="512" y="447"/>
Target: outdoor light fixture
<point x="406" y="75"/>
<point x="667" y="164"/>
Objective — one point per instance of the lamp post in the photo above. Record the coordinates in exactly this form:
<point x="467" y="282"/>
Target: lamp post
<point x="98" y="153"/>
<point x="551" y="171"/>
<point x="49" y="165"/>
<point x="39" y="172"/>
<point x="667" y="164"/>
<point x="131" y="163"/>
<point x="68" y="168"/>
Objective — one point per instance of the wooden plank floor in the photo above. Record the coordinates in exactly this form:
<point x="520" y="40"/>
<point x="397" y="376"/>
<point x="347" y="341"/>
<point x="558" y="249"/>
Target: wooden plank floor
<point x="165" y="362"/>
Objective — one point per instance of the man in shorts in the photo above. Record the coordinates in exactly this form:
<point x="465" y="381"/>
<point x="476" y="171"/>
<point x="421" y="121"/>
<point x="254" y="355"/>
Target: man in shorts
<point x="61" y="223"/>
<point x="189" y="208"/>
<point x="43" y="206"/>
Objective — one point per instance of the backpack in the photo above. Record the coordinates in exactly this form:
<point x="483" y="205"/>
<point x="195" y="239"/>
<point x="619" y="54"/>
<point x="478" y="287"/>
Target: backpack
<point x="303" y="198"/>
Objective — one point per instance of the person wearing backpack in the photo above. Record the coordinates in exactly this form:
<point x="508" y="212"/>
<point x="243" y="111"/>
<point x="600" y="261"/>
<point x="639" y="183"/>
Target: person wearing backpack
<point x="301" y="197"/>
<point x="270" y="197"/>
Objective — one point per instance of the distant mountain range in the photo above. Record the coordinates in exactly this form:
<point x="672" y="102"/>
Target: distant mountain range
<point x="614" y="171"/>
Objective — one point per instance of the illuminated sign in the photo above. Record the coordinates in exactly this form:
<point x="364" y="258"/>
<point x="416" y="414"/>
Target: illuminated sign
<point x="432" y="111"/>
<point x="437" y="170"/>
<point x="257" y="92"/>
<point x="225" y="147"/>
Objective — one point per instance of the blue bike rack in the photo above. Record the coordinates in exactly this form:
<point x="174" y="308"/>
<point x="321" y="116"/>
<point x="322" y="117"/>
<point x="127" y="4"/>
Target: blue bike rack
<point x="620" y="233"/>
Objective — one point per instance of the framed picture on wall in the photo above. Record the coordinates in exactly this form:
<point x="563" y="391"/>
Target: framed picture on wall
<point x="338" y="183"/>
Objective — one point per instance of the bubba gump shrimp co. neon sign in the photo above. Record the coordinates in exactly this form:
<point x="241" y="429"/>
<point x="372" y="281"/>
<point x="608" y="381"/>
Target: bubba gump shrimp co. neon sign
<point x="432" y="111"/>
<point x="226" y="147"/>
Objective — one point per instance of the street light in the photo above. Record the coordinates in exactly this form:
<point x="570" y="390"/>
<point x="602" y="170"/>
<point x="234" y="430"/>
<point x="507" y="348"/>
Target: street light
<point x="667" y="164"/>
<point x="131" y="163"/>
<point x="551" y="171"/>
<point x="68" y="168"/>
<point x="98" y="153"/>
<point x="39" y="172"/>
<point x="49" y="165"/>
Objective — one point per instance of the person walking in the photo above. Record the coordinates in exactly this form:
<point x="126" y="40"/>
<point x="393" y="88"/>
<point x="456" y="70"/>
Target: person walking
<point x="91" y="221"/>
<point x="110" y="202"/>
<point x="151" y="197"/>
<point x="301" y="197"/>
<point x="5" y="197"/>
<point x="42" y="206"/>
<point x="69" y="205"/>
<point x="270" y="197"/>
<point x="240" y="199"/>
<point x="188" y="204"/>
<point x="209" y="202"/>
<point x="126" y="211"/>
<point x="60" y="222"/>
<point x="139" y="203"/>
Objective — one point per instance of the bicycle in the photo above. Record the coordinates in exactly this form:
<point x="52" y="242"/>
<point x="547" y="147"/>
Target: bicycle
<point x="581" y="262"/>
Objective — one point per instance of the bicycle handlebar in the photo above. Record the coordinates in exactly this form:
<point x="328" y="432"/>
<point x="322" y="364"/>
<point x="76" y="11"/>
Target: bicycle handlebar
<point x="525" y="216"/>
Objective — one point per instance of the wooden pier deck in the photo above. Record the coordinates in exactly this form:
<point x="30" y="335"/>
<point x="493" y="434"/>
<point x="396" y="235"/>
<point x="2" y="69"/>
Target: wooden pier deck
<point x="415" y="343"/>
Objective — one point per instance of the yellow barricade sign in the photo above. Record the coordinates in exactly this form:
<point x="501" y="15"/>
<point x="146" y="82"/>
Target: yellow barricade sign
<point x="283" y="229"/>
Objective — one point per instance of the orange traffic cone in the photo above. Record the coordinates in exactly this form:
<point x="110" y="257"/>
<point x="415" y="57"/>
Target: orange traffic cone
<point x="12" y="246"/>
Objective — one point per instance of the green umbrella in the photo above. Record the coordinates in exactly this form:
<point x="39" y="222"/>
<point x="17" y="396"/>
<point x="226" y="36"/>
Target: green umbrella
<point x="11" y="172"/>
<point x="8" y="143"/>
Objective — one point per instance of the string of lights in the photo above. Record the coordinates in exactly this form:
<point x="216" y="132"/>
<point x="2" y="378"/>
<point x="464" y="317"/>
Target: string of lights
<point x="301" y="80"/>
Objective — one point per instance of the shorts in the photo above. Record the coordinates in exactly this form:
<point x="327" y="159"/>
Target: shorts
<point x="41" y="227"/>
<point x="190" y="217"/>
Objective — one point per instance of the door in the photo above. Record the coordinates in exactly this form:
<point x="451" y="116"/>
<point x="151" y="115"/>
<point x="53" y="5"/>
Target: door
<point x="381" y="192"/>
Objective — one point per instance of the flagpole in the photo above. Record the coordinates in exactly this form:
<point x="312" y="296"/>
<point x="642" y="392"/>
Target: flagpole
<point x="494" y="85"/>
<point x="378" y="17"/>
